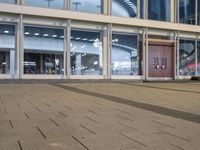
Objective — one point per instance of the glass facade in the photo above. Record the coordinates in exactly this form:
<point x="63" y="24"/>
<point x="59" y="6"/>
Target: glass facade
<point x="7" y="49"/>
<point x="124" y="8"/>
<point x="57" y="4"/>
<point x="90" y="6"/>
<point x="86" y="53"/>
<point x="8" y="1"/>
<point x="187" y="66"/>
<point x="159" y="10"/>
<point x="198" y="58"/>
<point x="125" y="56"/>
<point x="43" y="50"/>
<point x="187" y="11"/>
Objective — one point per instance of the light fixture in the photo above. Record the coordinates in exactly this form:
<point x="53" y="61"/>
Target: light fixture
<point x="46" y="35"/>
<point x="85" y="39"/>
<point x="78" y="38"/>
<point x="27" y="33"/>
<point x="36" y="34"/>
<point x="54" y="35"/>
<point x="6" y="31"/>
<point x="62" y="36"/>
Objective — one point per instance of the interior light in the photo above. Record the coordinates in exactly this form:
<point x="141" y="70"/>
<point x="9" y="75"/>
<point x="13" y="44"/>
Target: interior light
<point x="6" y="31"/>
<point x="46" y="35"/>
<point x="78" y="38"/>
<point x="62" y="36"/>
<point x="54" y="35"/>
<point x="36" y="34"/>
<point x="27" y="33"/>
<point x="85" y="39"/>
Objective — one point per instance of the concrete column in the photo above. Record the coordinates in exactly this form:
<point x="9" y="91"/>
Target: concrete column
<point x="68" y="49"/>
<point x="172" y="14"/>
<point x="12" y="63"/>
<point x="146" y="55"/>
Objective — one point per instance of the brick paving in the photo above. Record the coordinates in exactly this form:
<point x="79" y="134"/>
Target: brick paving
<point x="100" y="116"/>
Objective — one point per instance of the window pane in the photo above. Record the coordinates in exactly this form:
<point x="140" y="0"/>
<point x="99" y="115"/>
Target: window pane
<point x="86" y="53"/>
<point x="141" y="9"/>
<point x="198" y="58"/>
<point x="91" y="6"/>
<point x="123" y="8"/>
<point x="125" y="57"/>
<point x="187" y="58"/>
<point x="7" y="49"/>
<point x="159" y="10"/>
<point x="187" y="11"/>
<point x="8" y="1"/>
<point x="57" y="4"/>
<point x="43" y="50"/>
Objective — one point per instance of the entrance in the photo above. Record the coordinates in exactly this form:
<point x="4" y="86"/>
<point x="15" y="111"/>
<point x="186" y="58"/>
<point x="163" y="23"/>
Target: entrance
<point x="160" y="60"/>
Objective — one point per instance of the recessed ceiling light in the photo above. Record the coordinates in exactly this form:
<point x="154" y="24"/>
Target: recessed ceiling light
<point x="78" y="38"/>
<point x="46" y="35"/>
<point x="27" y="33"/>
<point x="54" y="35"/>
<point x="36" y="34"/>
<point x="6" y="31"/>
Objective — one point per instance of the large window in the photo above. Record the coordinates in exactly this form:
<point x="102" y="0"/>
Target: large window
<point x="159" y="10"/>
<point x="198" y="58"/>
<point x="57" y="4"/>
<point x="90" y="6"/>
<point x="7" y="49"/>
<point x="8" y="1"/>
<point x="43" y="50"/>
<point x="187" y="58"/>
<point x="86" y="53"/>
<point x="187" y="11"/>
<point x="125" y="8"/>
<point x="125" y="56"/>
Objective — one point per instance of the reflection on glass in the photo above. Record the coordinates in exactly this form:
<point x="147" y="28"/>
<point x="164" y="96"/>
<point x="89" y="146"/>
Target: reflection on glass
<point x="125" y="8"/>
<point x="7" y="49"/>
<point x="187" y="65"/>
<point x="57" y="4"/>
<point x="141" y="9"/>
<point x="86" y="53"/>
<point x="159" y="10"/>
<point x="43" y="50"/>
<point x="125" y="57"/>
<point x="8" y="1"/>
<point x="198" y="58"/>
<point x="91" y="6"/>
<point x="187" y="11"/>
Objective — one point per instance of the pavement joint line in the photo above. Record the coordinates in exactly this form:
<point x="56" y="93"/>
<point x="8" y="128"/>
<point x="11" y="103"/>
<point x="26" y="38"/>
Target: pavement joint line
<point x="88" y="129"/>
<point x="47" y="104"/>
<point x="161" y="88"/>
<point x="145" y="106"/>
<point x="80" y="143"/>
<point x="38" y="109"/>
<point x="62" y="114"/>
<point x="162" y="123"/>
<point x="27" y="116"/>
<point x="173" y="145"/>
<point x="126" y="118"/>
<point x="174" y="135"/>
<point x="6" y="111"/>
<point x="69" y="108"/>
<point x="20" y="145"/>
<point x="127" y="126"/>
<point x="29" y="102"/>
<point x="132" y="139"/>
<point x="94" y="112"/>
<point x="54" y="122"/>
<point x="122" y="111"/>
<point x="19" y="105"/>
<point x="91" y="119"/>
<point x="11" y="124"/>
<point x="43" y="135"/>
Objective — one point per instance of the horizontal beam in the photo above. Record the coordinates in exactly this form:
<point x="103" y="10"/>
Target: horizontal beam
<point x="64" y="14"/>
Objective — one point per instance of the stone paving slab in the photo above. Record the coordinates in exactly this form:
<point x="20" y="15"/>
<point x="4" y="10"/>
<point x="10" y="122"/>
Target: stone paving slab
<point x="95" y="116"/>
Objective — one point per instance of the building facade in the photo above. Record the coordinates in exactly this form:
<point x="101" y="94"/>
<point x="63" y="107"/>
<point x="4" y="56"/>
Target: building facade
<point x="99" y="39"/>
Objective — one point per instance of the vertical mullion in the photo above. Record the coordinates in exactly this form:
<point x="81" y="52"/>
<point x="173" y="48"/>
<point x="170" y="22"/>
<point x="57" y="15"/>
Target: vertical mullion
<point x="196" y="58"/>
<point x="68" y="49"/>
<point x="177" y="51"/>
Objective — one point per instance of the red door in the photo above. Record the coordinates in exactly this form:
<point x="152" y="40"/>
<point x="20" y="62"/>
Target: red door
<point x="160" y="60"/>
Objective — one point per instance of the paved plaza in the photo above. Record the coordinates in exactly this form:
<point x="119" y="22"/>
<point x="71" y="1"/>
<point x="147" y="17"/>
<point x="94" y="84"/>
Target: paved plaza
<point x="100" y="116"/>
